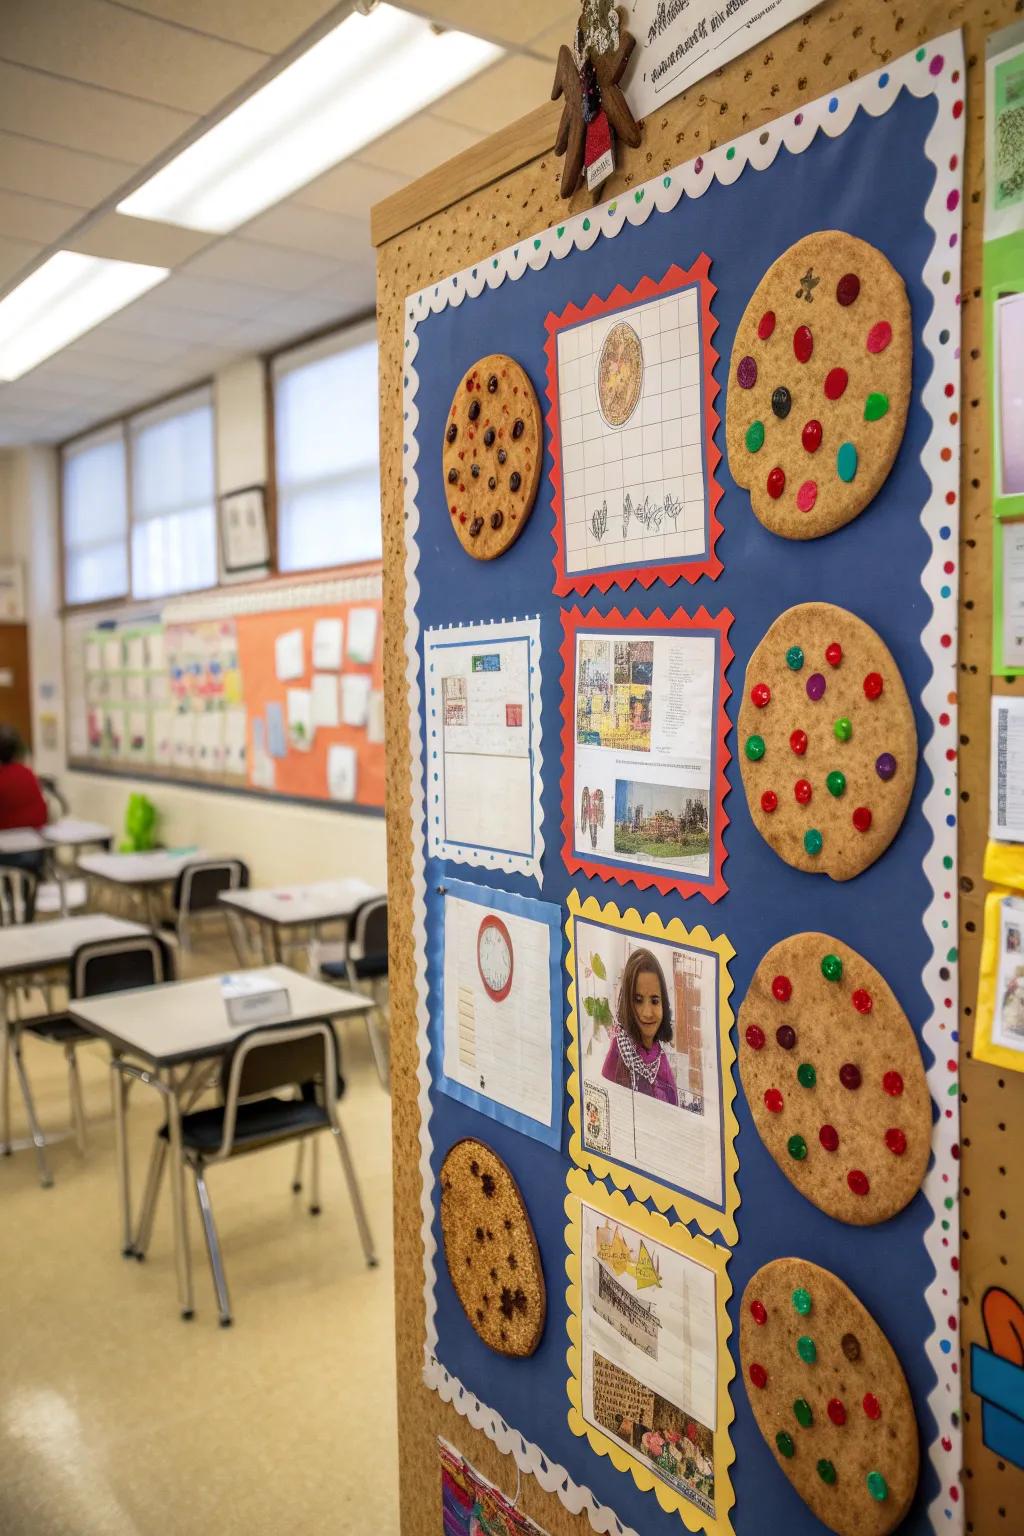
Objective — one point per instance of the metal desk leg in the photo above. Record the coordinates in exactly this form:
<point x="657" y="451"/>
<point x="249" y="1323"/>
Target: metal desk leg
<point x="38" y="1139"/>
<point x="119" y="1088"/>
<point x="182" y="1253"/>
<point x="5" y="1079"/>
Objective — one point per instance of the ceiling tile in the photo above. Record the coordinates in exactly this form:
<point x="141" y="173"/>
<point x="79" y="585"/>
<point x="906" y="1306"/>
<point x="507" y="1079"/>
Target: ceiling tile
<point x="312" y="230"/>
<point x="15" y="254"/>
<point x="79" y="361"/>
<point x="350" y="188"/>
<point x="353" y="281"/>
<point x="85" y="118"/>
<point x="513" y="24"/>
<point x="555" y="34"/>
<point x="126" y="239"/>
<point x="79" y="180"/>
<point x="34" y="218"/>
<point x="104" y="341"/>
<point x="148" y="317"/>
<point x="506" y="91"/>
<point x="235" y="300"/>
<point x="106" y="45"/>
<point x="265" y="265"/>
<point x="419" y="145"/>
<point x="270" y="25"/>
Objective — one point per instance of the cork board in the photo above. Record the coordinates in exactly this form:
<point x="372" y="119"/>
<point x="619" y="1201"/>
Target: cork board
<point x="835" y="44"/>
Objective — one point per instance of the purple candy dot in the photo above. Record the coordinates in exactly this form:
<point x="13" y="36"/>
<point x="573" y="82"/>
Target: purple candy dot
<point x="815" y="686"/>
<point x="746" y="373"/>
<point x="798" y="119"/>
<point x="953" y="200"/>
<point x="936" y="64"/>
<point x="885" y="766"/>
<point x="698" y="164"/>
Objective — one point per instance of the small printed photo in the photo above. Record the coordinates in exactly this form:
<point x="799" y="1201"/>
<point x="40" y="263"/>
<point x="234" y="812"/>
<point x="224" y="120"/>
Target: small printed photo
<point x="663" y="824"/>
<point x="614" y="703"/>
<point x="1013" y="940"/>
<point x="676" y="1445"/>
<point x="1009" y="313"/>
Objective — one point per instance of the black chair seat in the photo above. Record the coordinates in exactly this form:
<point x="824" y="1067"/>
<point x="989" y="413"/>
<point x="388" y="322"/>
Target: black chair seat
<point x="258" y="1123"/>
<point x="59" y="1028"/>
<point x="370" y="968"/>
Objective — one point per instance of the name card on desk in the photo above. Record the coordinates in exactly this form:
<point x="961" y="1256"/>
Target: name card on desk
<point x="252" y="999"/>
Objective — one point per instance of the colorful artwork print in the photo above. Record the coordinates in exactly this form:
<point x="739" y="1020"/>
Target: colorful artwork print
<point x="472" y="1506"/>
<point x="630" y="388"/>
<point x="613" y="694"/>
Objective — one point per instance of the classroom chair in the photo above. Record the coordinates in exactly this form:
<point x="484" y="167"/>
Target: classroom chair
<point x="196" y="896"/>
<point x="360" y="961"/>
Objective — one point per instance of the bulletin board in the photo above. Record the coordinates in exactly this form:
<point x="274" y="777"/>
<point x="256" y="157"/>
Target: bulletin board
<point x="488" y="1406"/>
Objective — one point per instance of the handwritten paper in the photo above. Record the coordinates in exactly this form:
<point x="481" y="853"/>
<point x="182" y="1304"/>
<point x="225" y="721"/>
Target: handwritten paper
<point x="362" y="635"/>
<point x="355" y="698"/>
<point x="328" y="639"/>
<point x="325" y="699"/>
<point x="341" y="772"/>
<point x="301" y="728"/>
<point x="289" y="662"/>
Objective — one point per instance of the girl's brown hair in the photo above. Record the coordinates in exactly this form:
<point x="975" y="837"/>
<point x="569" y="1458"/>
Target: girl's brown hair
<point x="639" y="961"/>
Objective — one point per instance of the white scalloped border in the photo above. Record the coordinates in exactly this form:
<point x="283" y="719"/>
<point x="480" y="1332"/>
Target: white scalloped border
<point x="483" y="632"/>
<point x="935" y="69"/>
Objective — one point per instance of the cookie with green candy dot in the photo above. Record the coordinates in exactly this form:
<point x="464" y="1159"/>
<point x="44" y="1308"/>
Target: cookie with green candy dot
<point x="829" y="1397"/>
<point x="819" y="385"/>
<point x="834" y="1079"/>
<point x="828" y="742"/>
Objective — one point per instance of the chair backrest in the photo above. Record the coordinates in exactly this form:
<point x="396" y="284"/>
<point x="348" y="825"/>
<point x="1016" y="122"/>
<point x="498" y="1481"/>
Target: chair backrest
<point x="301" y="1055"/>
<point x="120" y="965"/>
<point x="370" y="928"/>
<point x="52" y="794"/>
<point x="201" y="881"/>
<point x="17" y="895"/>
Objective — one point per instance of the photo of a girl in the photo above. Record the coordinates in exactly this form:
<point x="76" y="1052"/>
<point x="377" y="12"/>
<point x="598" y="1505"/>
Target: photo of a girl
<point x="635" y="1057"/>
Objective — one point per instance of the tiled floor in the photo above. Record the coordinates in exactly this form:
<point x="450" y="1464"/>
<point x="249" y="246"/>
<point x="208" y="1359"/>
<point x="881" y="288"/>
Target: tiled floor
<point x="117" y="1418"/>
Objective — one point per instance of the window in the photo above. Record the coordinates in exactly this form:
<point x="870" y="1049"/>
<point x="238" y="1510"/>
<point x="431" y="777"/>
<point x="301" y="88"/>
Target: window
<point x="328" y="477"/>
<point x="95" y="505"/>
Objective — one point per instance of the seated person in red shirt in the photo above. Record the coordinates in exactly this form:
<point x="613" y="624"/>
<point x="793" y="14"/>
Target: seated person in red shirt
<point x="21" y="799"/>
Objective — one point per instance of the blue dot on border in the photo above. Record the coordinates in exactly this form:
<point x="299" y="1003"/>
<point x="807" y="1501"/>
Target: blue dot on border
<point x="833" y="105"/>
<point x="883" y="79"/>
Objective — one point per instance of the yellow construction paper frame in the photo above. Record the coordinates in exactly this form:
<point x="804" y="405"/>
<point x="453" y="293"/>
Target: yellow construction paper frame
<point x="582" y="1190"/>
<point x="687" y="1207"/>
<point x="985" y="1048"/>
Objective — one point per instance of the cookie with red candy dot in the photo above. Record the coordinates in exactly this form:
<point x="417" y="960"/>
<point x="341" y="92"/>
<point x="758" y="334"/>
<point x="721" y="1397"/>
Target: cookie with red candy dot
<point x="491" y="455"/>
<point x="827" y="331"/>
<point x="835" y="1082"/>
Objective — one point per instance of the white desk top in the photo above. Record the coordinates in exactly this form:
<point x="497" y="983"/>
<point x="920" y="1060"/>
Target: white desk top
<point x="21" y="840"/>
<point x="154" y="868"/>
<point x="187" y="1020"/>
<point x="320" y="902"/>
<point x="69" y="832"/>
<point x="34" y="946"/>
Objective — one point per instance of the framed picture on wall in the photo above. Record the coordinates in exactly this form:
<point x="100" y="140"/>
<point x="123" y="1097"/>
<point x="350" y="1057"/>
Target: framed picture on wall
<point x="244" y="540"/>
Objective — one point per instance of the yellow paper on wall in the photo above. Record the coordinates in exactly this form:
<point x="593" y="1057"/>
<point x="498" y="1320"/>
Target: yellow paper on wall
<point x="999" y="1020"/>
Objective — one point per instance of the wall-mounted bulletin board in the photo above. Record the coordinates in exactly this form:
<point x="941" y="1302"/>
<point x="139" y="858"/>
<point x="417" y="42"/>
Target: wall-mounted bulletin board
<point x="731" y="1297"/>
<point x="273" y="690"/>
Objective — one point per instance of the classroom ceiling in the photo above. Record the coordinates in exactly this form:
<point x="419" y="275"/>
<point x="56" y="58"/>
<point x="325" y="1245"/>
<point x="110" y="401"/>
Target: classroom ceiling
<point x="92" y="92"/>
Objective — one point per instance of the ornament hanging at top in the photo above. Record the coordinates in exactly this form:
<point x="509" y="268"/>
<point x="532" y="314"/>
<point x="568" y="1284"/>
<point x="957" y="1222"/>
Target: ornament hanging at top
<point x="594" y="109"/>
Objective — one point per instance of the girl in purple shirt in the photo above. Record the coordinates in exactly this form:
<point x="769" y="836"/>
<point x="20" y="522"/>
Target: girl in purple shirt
<point x="635" y="1058"/>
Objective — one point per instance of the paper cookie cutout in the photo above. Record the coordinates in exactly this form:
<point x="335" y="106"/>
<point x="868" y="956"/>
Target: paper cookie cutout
<point x="828" y="745"/>
<point x="829" y="1397"/>
<point x="834" y="1079"/>
<point x="492" y="451"/>
<point x="819" y="385"/>
<point x="490" y="1249"/>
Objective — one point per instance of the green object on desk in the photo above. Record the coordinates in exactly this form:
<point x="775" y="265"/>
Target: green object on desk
<point x="139" y="825"/>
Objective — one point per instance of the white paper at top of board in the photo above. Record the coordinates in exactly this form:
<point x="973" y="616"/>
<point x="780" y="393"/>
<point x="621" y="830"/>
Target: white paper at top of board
<point x="289" y="662"/>
<point x="355" y="698"/>
<point x="325" y="699"/>
<point x="301" y="729"/>
<point x="328" y="639"/>
<point x="341" y="772"/>
<point x="362" y="634"/>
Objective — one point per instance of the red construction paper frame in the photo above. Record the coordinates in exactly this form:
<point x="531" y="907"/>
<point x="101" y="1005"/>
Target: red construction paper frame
<point x="706" y="564"/>
<point x="713" y="885"/>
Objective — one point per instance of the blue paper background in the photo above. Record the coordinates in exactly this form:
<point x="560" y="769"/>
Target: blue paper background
<point x="872" y="181"/>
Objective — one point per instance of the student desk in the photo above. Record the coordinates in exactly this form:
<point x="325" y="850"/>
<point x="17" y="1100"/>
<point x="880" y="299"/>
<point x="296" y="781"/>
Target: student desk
<point x="296" y="906"/>
<point x="141" y="872"/>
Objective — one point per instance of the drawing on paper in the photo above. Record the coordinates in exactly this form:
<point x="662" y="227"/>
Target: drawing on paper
<point x="620" y="372"/>
<point x="662" y="823"/>
<point x="614" y="694"/>
<point x="494" y="957"/>
<point x="595" y="1117"/>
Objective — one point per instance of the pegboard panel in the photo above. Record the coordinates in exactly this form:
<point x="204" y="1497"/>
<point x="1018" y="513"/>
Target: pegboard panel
<point x="834" y="44"/>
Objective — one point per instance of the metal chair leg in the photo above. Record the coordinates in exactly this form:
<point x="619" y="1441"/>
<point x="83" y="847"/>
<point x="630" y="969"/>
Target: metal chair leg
<point x="300" y="1154"/>
<point x="365" y="1235"/>
<point x="38" y="1139"/>
<point x="5" y="1083"/>
<point x="220" y="1283"/>
<point x="314" y="1183"/>
<point x="75" y="1095"/>
<point x="154" y="1177"/>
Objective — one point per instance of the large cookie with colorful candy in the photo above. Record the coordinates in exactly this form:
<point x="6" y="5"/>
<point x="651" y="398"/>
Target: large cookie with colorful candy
<point x="834" y="1079"/>
<point x="829" y="1397"/>
<point x="829" y="745"/>
<point x="491" y="455"/>
<point x="819" y="384"/>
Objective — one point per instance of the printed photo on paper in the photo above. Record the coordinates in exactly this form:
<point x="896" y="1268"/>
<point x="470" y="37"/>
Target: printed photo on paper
<point x="1008" y="1019"/>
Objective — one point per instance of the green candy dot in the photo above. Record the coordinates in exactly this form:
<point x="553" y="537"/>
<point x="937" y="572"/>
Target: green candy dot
<point x="754" y="748"/>
<point x="846" y="462"/>
<point x="876" y="406"/>
<point x="807" y="1350"/>
<point x="877" y="1486"/>
<point x="843" y="729"/>
<point x="755" y="436"/>
<point x="812" y="841"/>
<point x="730" y="153"/>
<point x="785" y="1444"/>
<point x="804" y="1416"/>
<point x="794" y="658"/>
<point x="835" y="783"/>
<point x="919" y="55"/>
<point x="806" y="1075"/>
<point x="827" y="1472"/>
<point x="802" y="1301"/>
<point x="832" y="968"/>
<point x="797" y="1148"/>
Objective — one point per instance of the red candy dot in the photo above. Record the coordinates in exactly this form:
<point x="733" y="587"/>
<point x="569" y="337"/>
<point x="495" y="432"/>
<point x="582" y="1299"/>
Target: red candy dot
<point x="802" y="790"/>
<point x="829" y="1137"/>
<point x="769" y="801"/>
<point x="872" y="1407"/>
<point x="836" y="1412"/>
<point x="862" y="819"/>
<point x="873" y="685"/>
<point x="892" y="1082"/>
<point x="759" y="1313"/>
<point x="896" y="1141"/>
<point x="782" y="989"/>
<point x="755" y="1037"/>
<point x="758" y="1375"/>
<point x="861" y="1000"/>
<point x="798" y="742"/>
<point x="879" y="336"/>
<point x="773" y="1101"/>
<point x="766" y="324"/>
<point x="834" y="654"/>
<point x="847" y="289"/>
<point x="836" y="381"/>
<point x="806" y="496"/>
<point x="811" y="436"/>
<point x="803" y="343"/>
<point x="858" y="1181"/>
<point x="776" y="483"/>
<point x="760" y="695"/>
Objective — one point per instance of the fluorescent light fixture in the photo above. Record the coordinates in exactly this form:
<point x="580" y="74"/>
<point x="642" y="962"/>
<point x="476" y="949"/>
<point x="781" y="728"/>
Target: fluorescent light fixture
<point x="61" y="300"/>
<point x="367" y="75"/>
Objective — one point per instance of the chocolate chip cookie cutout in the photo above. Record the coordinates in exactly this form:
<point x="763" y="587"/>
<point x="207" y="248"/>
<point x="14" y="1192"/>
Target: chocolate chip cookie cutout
<point x="491" y="456"/>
